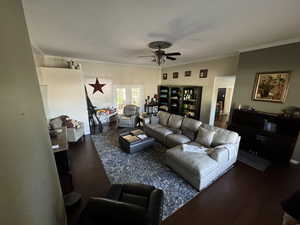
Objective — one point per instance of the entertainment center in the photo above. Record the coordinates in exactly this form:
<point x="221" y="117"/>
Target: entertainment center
<point x="268" y="135"/>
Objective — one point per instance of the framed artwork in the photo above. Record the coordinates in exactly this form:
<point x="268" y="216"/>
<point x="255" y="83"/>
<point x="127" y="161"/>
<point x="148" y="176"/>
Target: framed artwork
<point x="203" y="73"/>
<point x="271" y="86"/>
<point x="175" y="75"/>
<point x="165" y="76"/>
<point x="187" y="73"/>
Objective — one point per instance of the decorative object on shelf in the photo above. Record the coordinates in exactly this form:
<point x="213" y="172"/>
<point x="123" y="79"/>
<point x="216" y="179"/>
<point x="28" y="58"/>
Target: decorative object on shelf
<point x="246" y="107"/>
<point x="180" y="100"/>
<point x="175" y="75"/>
<point x="73" y="65"/>
<point x="271" y="86"/>
<point x="97" y="86"/>
<point x="203" y="73"/>
<point x="187" y="73"/>
<point x="165" y="76"/>
<point x="151" y="106"/>
<point x="291" y="112"/>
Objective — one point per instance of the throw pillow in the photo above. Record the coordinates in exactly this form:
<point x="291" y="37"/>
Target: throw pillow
<point x="205" y="136"/>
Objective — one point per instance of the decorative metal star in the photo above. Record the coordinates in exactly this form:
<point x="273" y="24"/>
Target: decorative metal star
<point x="97" y="86"/>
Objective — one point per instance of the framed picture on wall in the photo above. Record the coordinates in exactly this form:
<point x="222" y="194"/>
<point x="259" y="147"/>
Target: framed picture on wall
<point x="203" y="73"/>
<point x="165" y="76"/>
<point x="271" y="86"/>
<point x="187" y="73"/>
<point x="175" y="75"/>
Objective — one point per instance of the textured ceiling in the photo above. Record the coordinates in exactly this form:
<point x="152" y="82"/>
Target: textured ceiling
<point x="119" y="30"/>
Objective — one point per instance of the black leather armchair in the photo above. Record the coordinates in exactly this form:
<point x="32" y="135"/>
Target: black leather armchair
<point x="134" y="204"/>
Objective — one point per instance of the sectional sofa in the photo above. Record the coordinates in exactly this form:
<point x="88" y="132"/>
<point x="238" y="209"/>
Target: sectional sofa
<point x="198" y="152"/>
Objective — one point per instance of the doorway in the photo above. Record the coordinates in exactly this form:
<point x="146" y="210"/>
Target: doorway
<point x="223" y="104"/>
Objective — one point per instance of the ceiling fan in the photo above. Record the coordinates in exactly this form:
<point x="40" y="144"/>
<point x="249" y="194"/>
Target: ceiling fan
<point x="159" y="56"/>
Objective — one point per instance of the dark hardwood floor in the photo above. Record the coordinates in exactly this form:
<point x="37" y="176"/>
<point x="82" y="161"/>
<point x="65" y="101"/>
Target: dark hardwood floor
<point x="243" y="196"/>
<point x="88" y="175"/>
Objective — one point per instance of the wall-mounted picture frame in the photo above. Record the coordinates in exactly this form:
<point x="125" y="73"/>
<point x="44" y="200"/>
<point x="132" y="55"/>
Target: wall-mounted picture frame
<point x="203" y="73"/>
<point x="175" y="75"/>
<point x="165" y="76"/>
<point x="271" y="86"/>
<point x="188" y="73"/>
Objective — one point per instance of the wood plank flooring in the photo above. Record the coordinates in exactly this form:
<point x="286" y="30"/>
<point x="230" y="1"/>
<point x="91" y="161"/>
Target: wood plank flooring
<point x="243" y="196"/>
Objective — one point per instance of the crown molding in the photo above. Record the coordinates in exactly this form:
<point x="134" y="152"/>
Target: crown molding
<point x="102" y="62"/>
<point x="269" y="45"/>
<point x="205" y="59"/>
<point x="37" y="48"/>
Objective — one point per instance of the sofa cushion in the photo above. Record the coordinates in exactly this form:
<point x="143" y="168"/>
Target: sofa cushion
<point x="176" y="139"/>
<point x="163" y="117"/>
<point x="192" y="163"/>
<point x="163" y="131"/>
<point x="190" y="127"/>
<point x="205" y="136"/>
<point x="175" y="131"/>
<point x="152" y="126"/>
<point x="191" y="124"/>
<point x="188" y="133"/>
<point x="175" y="121"/>
<point x="222" y="136"/>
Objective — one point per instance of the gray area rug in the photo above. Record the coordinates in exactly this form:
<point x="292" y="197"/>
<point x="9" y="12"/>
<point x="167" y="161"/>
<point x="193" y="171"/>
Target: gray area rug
<point x="145" y="167"/>
<point x="253" y="161"/>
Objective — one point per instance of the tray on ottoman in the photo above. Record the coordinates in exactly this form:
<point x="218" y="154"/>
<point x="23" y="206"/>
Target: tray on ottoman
<point x="131" y="143"/>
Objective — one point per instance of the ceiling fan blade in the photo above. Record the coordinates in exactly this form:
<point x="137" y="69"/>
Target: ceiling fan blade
<point x="171" y="58"/>
<point x="173" y="53"/>
<point x="146" y="56"/>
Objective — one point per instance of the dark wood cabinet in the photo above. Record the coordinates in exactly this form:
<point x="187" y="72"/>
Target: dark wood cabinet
<point x="270" y="136"/>
<point x="180" y="100"/>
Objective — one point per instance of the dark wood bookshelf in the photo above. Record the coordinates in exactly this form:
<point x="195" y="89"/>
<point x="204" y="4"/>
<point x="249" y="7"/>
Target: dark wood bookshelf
<point x="180" y="100"/>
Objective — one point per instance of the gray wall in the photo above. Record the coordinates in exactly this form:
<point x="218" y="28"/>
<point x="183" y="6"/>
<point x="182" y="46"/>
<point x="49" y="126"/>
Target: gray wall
<point x="280" y="58"/>
<point x="30" y="190"/>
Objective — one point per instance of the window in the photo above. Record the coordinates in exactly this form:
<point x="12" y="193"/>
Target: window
<point x="124" y="95"/>
<point x="135" y="96"/>
<point x="120" y="99"/>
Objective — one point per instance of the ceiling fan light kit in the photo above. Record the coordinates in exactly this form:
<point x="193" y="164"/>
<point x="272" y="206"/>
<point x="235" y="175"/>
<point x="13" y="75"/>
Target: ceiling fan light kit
<point x="161" y="56"/>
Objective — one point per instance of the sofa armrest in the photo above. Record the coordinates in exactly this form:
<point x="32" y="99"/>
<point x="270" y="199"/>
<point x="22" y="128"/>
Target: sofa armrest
<point x="224" y="152"/>
<point x="220" y="154"/>
<point x="155" y="206"/>
<point x="104" y="210"/>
